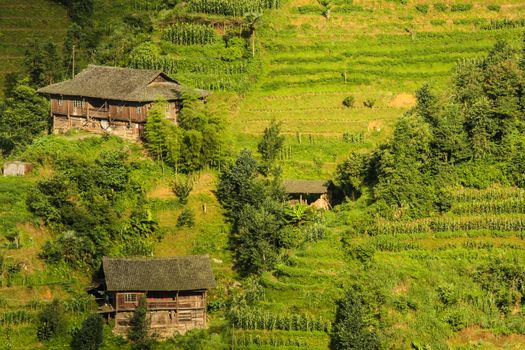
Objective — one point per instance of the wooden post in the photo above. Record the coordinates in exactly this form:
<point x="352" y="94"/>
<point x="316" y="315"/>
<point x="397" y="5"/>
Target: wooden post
<point x="177" y="307"/>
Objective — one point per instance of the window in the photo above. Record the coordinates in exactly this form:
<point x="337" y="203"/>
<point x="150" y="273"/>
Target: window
<point x="120" y="109"/>
<point x="139" y="110"/>
<point x="78" y="103"/>
<point x="130" y="297"/>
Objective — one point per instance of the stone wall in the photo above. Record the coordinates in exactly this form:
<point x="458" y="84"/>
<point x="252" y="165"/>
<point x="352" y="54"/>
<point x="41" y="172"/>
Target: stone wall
<point x="124" y="129"/>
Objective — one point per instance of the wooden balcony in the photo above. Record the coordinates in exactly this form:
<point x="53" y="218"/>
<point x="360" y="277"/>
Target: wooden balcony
<point x="165" y="305"/>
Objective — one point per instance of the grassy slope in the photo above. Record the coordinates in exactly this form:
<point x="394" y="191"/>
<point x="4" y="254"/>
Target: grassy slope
<point x="22" y="20"/>
<point x="387" y="51"/>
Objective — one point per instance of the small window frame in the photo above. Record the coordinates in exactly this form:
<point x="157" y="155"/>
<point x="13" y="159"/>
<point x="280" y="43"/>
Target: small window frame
<point x="130" y="298"/>
<point x="78" y="103"/>
<point x="139" y="110"/>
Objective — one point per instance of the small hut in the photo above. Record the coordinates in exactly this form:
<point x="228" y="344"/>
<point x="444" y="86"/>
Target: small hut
<point x="309" y="192"/>
<point x="17" y="168"/>
<point x="175" y="290"/>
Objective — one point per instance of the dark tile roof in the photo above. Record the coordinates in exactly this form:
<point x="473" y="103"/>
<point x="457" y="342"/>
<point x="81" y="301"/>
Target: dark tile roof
<point x="121" y="84"/>
<point x="306" y="186"/>
<point x="158" y="274"/>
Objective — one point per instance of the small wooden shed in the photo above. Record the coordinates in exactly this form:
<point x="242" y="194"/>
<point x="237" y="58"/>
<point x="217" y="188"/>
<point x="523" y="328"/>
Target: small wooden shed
<point x="309" y="192"/>
<point x="175" y="289"/>
<point x="17" y="168"/>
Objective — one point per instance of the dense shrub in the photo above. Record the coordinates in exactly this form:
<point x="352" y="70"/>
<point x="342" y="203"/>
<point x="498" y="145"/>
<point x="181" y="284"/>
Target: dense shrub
<point x="423" y="8"/>
<point x="350" y="329"/>
<point x="51" y="321"/>
<point x="186" y="218"/>
<point x="90" y="335"/>
<point x="182" y="188"/>
<point x="349" y="101"/>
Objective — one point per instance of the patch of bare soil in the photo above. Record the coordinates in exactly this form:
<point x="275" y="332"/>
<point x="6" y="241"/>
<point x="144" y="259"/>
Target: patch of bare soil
<point x="475" y="335"/>
<point x="403" y="100"/>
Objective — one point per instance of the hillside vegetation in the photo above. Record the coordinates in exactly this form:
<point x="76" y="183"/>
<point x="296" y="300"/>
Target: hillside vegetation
<point x="415" y="110"/>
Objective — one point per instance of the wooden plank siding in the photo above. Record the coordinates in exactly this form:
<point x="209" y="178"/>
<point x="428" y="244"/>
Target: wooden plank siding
<point x="135" y="112"/>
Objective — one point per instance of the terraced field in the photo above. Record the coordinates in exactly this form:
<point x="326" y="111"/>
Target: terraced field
<point x="299" y="302"/>
<point x="379" y="52"/>
<point x="450" y="276"/>
<point x="22" y="20"/>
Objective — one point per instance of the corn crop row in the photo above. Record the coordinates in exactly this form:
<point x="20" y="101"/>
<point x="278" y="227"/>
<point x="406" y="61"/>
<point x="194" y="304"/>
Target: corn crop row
<point x="448" y="224"/>
<point x="245" y="340"/>
<point x="503" y="24"/>
<point x="232" y="7"/>
<point x="248" y="318"/>
<point x="173" y="66"/>
<point x="190" y="34"/>
<point x="506" y="206"/>
<point x="15" y="317"/>
<point x="463" y="194"/>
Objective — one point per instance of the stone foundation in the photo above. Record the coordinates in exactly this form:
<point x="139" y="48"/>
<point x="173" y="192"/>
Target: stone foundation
<point x="164" y="323"/>
<point x="123" y="129"/>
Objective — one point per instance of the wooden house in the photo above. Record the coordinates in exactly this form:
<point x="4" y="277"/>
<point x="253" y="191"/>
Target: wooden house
<point x="112" y="100"/>
<point x="175" y="290"/>
<point x="310" y="192"/>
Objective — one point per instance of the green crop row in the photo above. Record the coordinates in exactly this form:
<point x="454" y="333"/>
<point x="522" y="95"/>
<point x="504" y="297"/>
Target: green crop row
<point x="505" y="206"/>
<point x="444" y="223"/>
<point x="190" y="34"/>
<point x="16" y="317"/>
<point x="248" y="318"/>
<point x="462" y="194"/>
<point x="232" y="7"/>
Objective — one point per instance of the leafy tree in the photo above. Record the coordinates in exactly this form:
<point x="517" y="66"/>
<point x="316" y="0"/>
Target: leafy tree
<point x="42" y="61"/>
<point x="351" y="174"/>
<point x="350" y="329"/>
<point x="139" y="330"/>
<point x="404" y="180"/>
<point x="238" y="184"/>
<point x="255" y="207"/>
<point x="51" y="321"/>
<point x="24" y="117"/>
<point x="271" y="143"/>
<point x="256" y="238"/>
<point x="426" y="105"/>
<point x="90" y="335"/>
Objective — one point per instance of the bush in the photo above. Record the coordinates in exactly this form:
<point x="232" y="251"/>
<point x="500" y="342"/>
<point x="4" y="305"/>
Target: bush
<point x="493" y="7"/>
<point x="461" y="7"/>
<point x="441" y="7"/>
<point x="51" y="321"/>
<point x="182" y="188"/>
<point x="90" y="335"/>
<point x="423" y="8"/>
<point x="186" y="218"/>
<point x="369" y="103"/>
<point x="349" y="101"/>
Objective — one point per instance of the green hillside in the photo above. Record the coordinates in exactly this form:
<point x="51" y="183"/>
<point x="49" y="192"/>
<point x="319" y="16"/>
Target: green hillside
<point x="427" y="248"/>
<point x="386" y="49"/>
<point x="21" y="21"/>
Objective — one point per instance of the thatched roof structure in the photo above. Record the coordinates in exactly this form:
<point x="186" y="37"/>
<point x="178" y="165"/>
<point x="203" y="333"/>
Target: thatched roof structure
<point x="158" y="274"/>
<point x="120" y="84"/>
<point x="306" y="186"/>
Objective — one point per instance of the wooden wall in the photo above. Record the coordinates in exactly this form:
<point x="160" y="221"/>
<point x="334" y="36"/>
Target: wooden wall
<point x="108" y="109"/>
